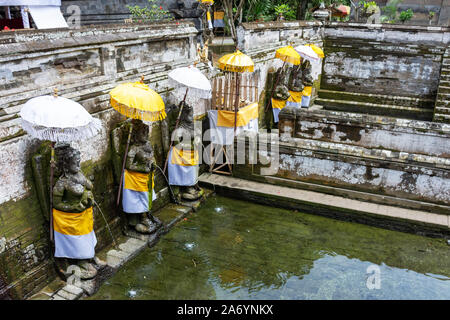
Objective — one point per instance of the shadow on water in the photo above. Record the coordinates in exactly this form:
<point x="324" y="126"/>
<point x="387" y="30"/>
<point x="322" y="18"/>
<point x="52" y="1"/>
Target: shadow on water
<point x="233" y="249"/>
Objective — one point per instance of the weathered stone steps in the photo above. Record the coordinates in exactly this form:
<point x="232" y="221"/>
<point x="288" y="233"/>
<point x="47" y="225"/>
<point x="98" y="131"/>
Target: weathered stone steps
<point x="442" y="110"/>
<point x="442" y="105"/>
<point x="377" y="109"/>
<point x="377" y="98"/>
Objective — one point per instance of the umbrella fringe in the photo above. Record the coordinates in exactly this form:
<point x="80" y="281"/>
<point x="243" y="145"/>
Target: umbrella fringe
<point x="227" y="67"/>
<point x="193" y="92"/>
<point x="138" y="114"/>
<point x="63" y="134"/>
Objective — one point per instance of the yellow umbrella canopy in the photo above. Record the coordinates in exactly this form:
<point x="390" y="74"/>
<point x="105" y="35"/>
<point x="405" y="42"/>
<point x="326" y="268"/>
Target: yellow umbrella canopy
<point x="288" y="54"/>
<point x="136" y="100"/>
<point x="236" y="62"/>
<point x="208" y="2"/>
<point x="317" y="50"/>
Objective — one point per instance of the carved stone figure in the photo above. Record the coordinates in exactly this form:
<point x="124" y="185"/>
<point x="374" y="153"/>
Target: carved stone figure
<point x="296" y="79"/>
<point x="281" y="90"/>
<point x="139" y="181"/>
<point x="184" y="139"/>
<point x="73" y="219"/>
<point x="307" y="78"/>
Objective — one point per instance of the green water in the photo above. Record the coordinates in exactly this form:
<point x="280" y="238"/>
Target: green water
<point x="233" y="249"/>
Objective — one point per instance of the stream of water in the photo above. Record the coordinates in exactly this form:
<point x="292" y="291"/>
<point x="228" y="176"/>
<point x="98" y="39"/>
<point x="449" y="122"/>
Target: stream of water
<point x="234" y="249"/>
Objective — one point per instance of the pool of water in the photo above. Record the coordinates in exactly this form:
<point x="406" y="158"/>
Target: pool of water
<point x="234" y="249"/>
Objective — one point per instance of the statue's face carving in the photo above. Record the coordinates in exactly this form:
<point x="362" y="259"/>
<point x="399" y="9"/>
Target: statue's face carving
<point x="73" y="165"/>
<point x="141" y="131"/>
<point x="142" y="134"/>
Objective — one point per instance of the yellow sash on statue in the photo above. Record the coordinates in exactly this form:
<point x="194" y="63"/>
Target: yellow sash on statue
<point x="74" y="224"/>
<point x="184" y="157"/>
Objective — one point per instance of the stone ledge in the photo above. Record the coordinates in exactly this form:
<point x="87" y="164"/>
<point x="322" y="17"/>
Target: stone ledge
<point x="395" y="218"/>
<point x="24" y="36"/>
<point x="280" y="25"/>
<point x="376" y="121"/>
<point x="367" y="153"/>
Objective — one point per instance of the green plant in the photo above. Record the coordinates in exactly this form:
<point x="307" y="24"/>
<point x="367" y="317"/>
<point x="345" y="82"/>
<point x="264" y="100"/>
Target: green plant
<point x="258" y="10"/>
<point x="390" y="11"/>
<point x="367" y="4"/>
<point x="285" y="10"/>
<point x="406" y="15"/>
<point x="149" y="14"/>
<point x="431" y="14"/>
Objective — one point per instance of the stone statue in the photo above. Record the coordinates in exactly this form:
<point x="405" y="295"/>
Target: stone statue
<point x="281" y="90"/>
<point x="138" y="176"/>
<point x="307" y="78"/>
<point x="184" y="139"/>
<point x="296" y="79"/>
<point x="308" y="81"/>
<point x="73" y="219"/>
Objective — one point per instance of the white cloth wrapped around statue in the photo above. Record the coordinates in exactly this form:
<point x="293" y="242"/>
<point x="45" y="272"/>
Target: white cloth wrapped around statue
<point x="183" y="167"/>
<point x="136" y="191"/>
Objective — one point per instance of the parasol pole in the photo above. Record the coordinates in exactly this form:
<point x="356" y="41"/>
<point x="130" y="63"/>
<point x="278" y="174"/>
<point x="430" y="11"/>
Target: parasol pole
<point x="125" y="157"/>
<point x="176" y="127"/>
<point x="52" y="168"/>
<point x="123" y="164"/>
<point x="274" y="87"/>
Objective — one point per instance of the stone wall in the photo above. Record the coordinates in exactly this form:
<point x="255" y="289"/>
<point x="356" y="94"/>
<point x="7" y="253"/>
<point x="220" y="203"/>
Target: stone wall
<point x="111" y="11"/>
<point x="260" y="40"/>
<point x="84" y="65"/>
<point x="421" y="9"/>
<point x="401" y="65"/>
<point x="393" y="70"/>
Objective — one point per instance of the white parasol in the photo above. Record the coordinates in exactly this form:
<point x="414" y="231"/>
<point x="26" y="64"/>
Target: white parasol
<point x="58" y="119"/>
<point x="307" y="53"/>
<point x="188" y="80"/>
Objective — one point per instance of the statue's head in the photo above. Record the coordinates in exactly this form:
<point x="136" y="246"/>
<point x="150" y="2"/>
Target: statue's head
<point x="69" y="159"/>
<point x="140" y="131"/>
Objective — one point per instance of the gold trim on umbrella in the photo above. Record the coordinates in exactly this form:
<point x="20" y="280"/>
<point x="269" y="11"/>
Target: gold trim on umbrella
<point x="133" y="113"/>
<point x="236" y="62"/>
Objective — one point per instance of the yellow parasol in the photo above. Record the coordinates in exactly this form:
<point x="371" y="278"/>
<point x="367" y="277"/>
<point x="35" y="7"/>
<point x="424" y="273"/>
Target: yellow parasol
<point x="288" y="54"/>
<point x="137" y="101"/>
<point x="236" y="62"/>
<point x="317" y="50"/>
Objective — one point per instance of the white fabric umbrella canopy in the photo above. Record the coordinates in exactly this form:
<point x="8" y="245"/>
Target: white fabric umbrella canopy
<point x="58" y="119"/>
<point x="190" y="77"/>
<point x="307" y="53"/>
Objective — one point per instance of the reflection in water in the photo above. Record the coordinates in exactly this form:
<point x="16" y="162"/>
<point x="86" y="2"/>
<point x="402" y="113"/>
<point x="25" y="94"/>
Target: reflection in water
<point x="249" y="251"/>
